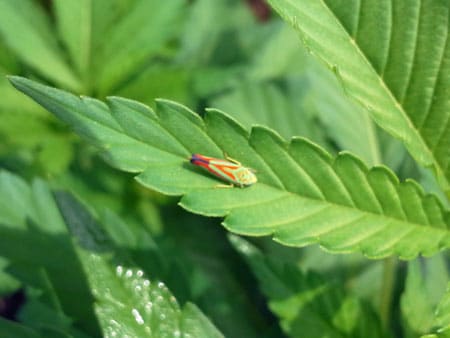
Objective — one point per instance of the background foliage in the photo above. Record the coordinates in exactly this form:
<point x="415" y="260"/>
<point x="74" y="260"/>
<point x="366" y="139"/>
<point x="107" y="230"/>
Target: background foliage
<point x="86" y="250"/>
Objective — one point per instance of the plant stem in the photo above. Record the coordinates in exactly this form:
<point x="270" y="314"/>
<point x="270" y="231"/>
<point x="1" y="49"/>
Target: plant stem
<point x="387" y="287"/>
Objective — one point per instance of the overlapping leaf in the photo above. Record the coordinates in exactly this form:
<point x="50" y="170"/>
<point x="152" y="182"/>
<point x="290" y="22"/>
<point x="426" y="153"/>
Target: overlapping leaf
<point x="442" y="318"/>
<point x="12" y="329"/>
<point x="303" y="196"/>
<point x="261" y="103"/>
<point x="33" y="238"/>
<point x="128" y="303"/>
<point x="128" y="46"/>
<point x="394" y="58"/>
<point x="26" y="30"/>
<point x="70" y="277"/>
<point x="306" y="303"/>
<point x="425" y="283"/>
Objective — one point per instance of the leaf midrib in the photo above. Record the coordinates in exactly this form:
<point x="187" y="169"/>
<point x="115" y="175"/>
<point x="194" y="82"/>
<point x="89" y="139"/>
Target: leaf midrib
<point x="328" y="204"/>
<point x="396" y="103"/>
<point x="121" y="131"/>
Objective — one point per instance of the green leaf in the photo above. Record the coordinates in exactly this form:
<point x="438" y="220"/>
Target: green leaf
<point x="442" y="318"/>
<point x="137" y="37"/>
<point x="45" y="258"/>
<point x="303" y="195"/>
<point x="10" y="329"/>
<point x="83" y="26"/>
<point x="61" y="268"/>
<point x="26" y="30"/>
<point x="205" y="21"/>
<point x="159" y="80"/>
<point x="43" y="134"/>
<point x="75" y="24"/>
<point x="8" y="284"/>
<point x="265" y="104"/>
<point x="310" y="92"/>
<point x="391" y="57"/>
<point x="346" y="123"/>
<point x="48" y="321"/>
<point x="425" y="284"/>
<point x="281" y="54"/>
<point x="208" y="261"/>
<point x="128" y="303"/>
<point x="307" y="304"/>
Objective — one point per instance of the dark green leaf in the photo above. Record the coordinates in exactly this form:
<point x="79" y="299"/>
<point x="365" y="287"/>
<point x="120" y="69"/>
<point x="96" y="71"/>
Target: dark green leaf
<point x="45" y="257"/>
<point x="127" y="302"/>
<point x="10" y="329"/>
<point x="307" y="304"/>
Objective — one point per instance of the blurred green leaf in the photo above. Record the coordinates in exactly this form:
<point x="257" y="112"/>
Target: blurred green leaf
<point x="442" y="318"/>
<point x="157" y="81"/>
<point x="34" y="239"/>
<point x="76" y="24"/>
<point x="306" y="304"/>
<point x="126" y="301"/>
<point x="282" y="54"/>
<point x="266" y="104"/>
<point x="215" y="273"/>
<point x="346" y="123"/>
<point x="10" y="329"/>
<point x="399" y="76"/>
<point x="8" y="284"/>
<point x="8" y="62"/>
<point x="28" y="132"/>
<point x="82" y="26"/>
<point x="26" y="30"/>
<point x="205" y="22"/>
<point x="372" y="211"/>
<point x="425" y="284"/>
<point x="47" y="321"/>
<point x="138" y="36"/>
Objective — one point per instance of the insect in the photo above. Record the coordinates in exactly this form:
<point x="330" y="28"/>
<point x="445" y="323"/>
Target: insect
<point x="229" y="170"/>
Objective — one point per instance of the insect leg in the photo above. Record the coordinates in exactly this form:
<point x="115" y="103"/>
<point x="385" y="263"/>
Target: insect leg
<point x="232" y="160"/>
<point x="221" y="186"/>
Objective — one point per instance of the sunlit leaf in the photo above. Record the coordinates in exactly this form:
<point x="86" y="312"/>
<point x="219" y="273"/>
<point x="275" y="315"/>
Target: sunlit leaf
<point x="393" y="57"/>
<point x="303" y="196"/>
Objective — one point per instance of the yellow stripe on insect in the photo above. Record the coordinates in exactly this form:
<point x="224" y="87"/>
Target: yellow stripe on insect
<point x="228" y="170"/>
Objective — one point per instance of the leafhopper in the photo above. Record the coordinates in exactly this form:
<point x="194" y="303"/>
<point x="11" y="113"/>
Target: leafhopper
<point x="228" y="170"/>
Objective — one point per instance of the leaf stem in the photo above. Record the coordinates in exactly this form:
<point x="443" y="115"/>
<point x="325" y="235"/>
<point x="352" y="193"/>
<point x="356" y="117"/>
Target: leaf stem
<point x="386" y="291"/>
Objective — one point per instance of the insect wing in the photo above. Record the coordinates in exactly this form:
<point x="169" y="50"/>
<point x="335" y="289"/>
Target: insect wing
<point x="231" y="171"/>
<point x="224" y="169"/>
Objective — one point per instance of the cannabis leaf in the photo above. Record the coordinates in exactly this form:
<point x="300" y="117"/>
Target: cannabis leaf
<point x="37" y="235"/>
<point x="425" y="284"/>
<point x="26" y="30"/>
<point x="392" y="57"/>
<point x="12" y="329"/>
<point x="304" y="195"/>
<point x="442" y="318"/>
<point x="307" y="303"/>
